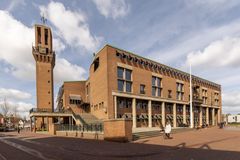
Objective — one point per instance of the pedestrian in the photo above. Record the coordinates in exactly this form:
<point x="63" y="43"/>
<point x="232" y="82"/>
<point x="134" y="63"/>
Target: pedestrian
<point x="18" y="129"/>
<point x="168" y="130"/>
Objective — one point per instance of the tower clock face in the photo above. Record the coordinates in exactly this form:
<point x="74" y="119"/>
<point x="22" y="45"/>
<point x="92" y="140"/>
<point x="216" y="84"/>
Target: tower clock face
<point x="42" y="50"/>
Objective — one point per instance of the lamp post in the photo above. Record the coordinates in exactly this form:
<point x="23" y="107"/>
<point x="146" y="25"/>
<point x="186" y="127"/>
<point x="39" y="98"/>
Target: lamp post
<point x="191" y="106"/>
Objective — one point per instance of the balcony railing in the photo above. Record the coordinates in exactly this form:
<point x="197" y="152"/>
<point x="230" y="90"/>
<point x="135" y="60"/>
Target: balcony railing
<point x="81" y="128"/>
<point x="48" y="110"/>
<point x="34" y="110"/>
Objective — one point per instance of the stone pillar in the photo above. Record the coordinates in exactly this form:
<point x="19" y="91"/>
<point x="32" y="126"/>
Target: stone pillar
<point x="219" y="116"/>
<point x="184" y="114"/>
<point x="34" y="126"/>
<point x="200" y="116"/>
<point x="149" y="113"/>
<point x="174" y="115"/>
<point x="134" y="116"/>
<point x="70" y="121"/>
<point x="30" y="124"/>
<point x="207" y="115"/>
<point x="163" y="114"/>
<point x="115" y="107"/>
<point x="50" y="123"/>
<point x="213" y="116"/>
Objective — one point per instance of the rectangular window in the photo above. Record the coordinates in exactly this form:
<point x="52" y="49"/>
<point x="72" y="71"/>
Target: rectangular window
<point x="142" y="89"/>
<point x="159" y="92"/>
<point x="39" y="34"/>
<point x="153" y="81"/>
<point x="120" y="85"/>
<point x="128" y="75"/>
<point x="124" y="79"/>
<point x="158" y="82"/>
<point x="120" y="72"/>
<point x="128" y="86"/>
<point x="96" y="64"/>
<point x="180" y="91"/>
<point x="46" y="36"/>
<point x="153" y="91"/>
<point x="169" y="93"/>
<point x="156" y="86"/>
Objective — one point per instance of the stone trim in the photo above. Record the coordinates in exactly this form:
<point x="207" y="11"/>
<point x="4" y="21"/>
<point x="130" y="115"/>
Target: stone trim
<point x="147" y="98"/>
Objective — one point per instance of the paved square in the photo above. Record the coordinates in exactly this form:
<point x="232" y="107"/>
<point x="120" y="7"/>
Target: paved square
<point x="211" y="143"/>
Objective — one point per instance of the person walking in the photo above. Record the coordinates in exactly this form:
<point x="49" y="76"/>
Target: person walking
<point x="168" y="130"/>
<point x="18" y="129"/>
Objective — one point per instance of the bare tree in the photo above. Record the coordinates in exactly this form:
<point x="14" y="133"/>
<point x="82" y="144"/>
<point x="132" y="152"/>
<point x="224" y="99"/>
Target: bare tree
<point x="14" y="110"/>
<point x="5" y="107"/>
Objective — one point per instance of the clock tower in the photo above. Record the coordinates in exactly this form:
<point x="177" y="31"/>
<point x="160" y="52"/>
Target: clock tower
<point x="45" y="61"/>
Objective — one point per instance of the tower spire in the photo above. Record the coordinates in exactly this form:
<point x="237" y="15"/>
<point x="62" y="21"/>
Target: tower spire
<point x="43" y="19"/>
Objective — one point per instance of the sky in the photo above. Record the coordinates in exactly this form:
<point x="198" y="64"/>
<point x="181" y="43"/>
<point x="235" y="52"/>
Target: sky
<point x="173" y="32"/>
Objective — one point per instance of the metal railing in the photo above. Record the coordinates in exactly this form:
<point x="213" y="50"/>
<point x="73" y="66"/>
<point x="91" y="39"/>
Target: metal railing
<point x="40" y="110"/>
<point x="81" y="128"/>
<point x="48" y="110"/>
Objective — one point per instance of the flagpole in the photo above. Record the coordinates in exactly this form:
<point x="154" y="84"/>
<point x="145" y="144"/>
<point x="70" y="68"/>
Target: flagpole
<point x="191" y="107"/>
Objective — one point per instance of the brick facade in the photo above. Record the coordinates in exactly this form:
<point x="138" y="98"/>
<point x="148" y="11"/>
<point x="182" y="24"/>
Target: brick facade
<point x="165" y="96"/>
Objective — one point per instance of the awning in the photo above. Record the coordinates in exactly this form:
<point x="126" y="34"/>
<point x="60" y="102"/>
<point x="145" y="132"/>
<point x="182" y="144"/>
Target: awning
<point x="75" y="97"/>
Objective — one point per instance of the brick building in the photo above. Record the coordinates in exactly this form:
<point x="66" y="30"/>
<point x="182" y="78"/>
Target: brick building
<point x="1" y="119"/>
<point x="121" y="85"/>
<point x="124" y="85"/>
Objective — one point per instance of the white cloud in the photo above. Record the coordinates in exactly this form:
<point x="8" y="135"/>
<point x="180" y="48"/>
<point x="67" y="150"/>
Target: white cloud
<point x="22" y="108"/>
<point x="16" y="45"/>
<point x="221" y="53"/>
<point x="14" y="94"/>
<point x="72" y="26"/>
<point x="66" y="71"/>
<point x="112" y="8"/>
<point x="231" y="99"/>
<point x="58" y="45"/>
<point x="16" y="51"/>
<point x="231" y="102"/>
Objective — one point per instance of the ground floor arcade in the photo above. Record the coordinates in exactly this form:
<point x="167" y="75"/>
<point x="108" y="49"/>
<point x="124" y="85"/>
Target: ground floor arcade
<point x="153" y="112"/>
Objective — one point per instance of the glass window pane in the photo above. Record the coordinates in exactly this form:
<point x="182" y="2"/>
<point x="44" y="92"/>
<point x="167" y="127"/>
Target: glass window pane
<point x="159" y="92"/>
<point x="153" y="81"/>
<point x="153" y="91"/>
<point x="158" y="82"/>
<point x="120" y="72"/>
<point x="142" y="88"/>
<point x="128" y="74"/>
<point x="120" y="85"/>
<point x="128" y="87"/>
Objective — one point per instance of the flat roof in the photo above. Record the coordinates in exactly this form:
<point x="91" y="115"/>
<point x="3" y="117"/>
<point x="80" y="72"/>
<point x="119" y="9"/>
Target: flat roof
<point x="171" y="68"/>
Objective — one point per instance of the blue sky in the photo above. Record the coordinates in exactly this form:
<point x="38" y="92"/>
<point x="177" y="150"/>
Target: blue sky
<point x="174" y="32"/>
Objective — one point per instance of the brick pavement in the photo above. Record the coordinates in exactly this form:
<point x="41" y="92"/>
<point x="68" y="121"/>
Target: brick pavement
<point x="212" y="143"/>
<point x="210" y="138"/>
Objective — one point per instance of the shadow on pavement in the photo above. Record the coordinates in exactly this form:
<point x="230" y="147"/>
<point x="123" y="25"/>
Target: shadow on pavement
<point x="74" y="148"/>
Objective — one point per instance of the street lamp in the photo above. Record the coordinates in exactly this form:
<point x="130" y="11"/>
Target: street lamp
<point x="191" y="106"/>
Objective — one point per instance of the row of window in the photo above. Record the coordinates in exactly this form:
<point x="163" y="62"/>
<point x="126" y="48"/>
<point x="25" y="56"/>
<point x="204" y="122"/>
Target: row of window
<point x="125" y="85"/>
<point x="45" y="35"/>
<point x="98" y="106"/>
<point x="74" y="101"/>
